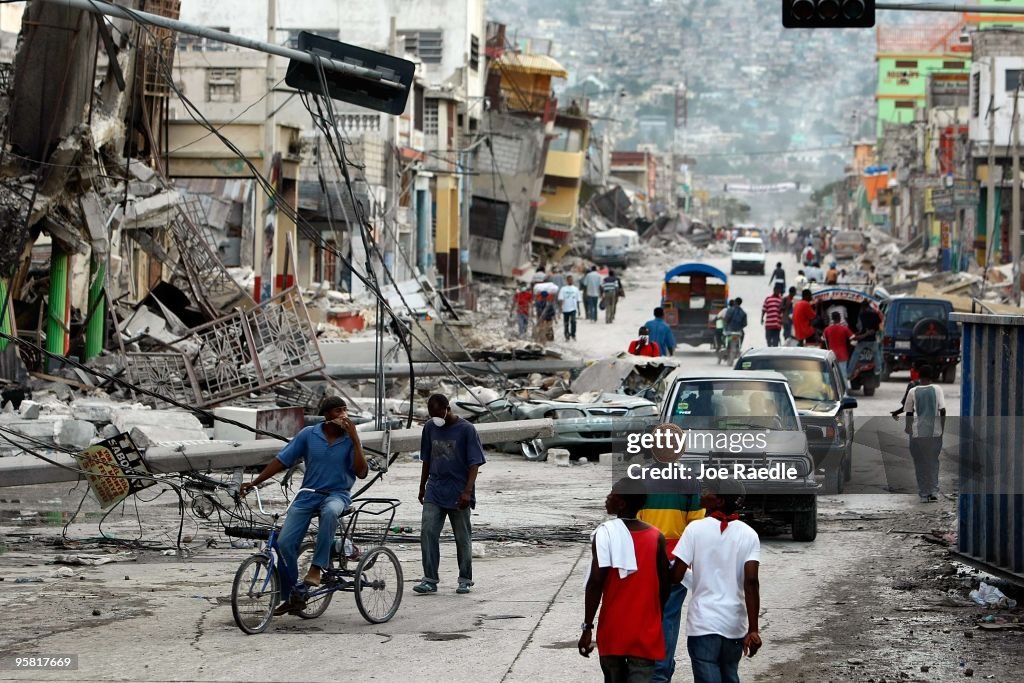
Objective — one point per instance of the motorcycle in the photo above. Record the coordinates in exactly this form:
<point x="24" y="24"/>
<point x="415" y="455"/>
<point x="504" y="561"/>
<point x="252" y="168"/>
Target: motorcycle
<point x="730" y="351"/>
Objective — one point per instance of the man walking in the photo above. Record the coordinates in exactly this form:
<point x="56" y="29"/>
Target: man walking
<point x="452" y="454"/>
<point x="787" y="313"/>
<point x="803" y="318"/>
<point x="543" y="326"/>
<point x="333" y="456"/>
<point x="661" y="333"/>
<point x="838" y="338"/>
<point x="592" y="292"/>
<point x="611" y="292"/>
<point x="771" y="316"/>
<point x="629" y="580"/>
<point x="926" y="421"/>
<point x="672" y="504"/>
<point x="521" y="308"/>
<point x="721" y="622"/>
<point x="569" y="298"/>
<point x="778" y="277"/>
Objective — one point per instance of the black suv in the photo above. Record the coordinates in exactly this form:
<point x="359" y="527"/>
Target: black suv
<point x="826" y="412"/>
<point x="917" y="332"/>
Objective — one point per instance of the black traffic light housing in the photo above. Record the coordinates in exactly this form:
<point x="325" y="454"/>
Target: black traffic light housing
<point x="828" y="13"/>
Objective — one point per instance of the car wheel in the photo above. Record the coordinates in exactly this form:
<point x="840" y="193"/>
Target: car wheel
<point x="869" y="389"/>
<point x="886" y="372"/>
<point x="949" y="374"/>
<point x="929" y="336"/>
<point x="805" y="524"/>
<point x="534" y="450"/>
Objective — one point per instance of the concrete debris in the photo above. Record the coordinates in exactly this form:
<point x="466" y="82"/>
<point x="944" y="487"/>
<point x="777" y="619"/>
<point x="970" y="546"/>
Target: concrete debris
<point x="150" y="427"/>
<point x="77" y="434"/>
<point x="92" y="560"/>
<point x="140" y="171"/>
<point x="154" y="212"/>
<point x="30" y="410"/>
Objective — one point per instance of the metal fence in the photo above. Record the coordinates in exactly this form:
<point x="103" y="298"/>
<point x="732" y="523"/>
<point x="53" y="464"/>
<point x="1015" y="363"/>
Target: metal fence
<point x="991" y="525"/>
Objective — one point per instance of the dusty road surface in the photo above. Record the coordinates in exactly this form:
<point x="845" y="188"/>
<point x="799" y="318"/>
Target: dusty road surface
<point x="875" y="597"/>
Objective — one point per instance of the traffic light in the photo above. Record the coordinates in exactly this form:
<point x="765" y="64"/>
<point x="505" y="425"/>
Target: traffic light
<point x="828" y="13"/>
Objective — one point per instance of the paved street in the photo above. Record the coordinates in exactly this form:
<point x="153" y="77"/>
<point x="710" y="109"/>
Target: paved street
<point x="169" y="618"/>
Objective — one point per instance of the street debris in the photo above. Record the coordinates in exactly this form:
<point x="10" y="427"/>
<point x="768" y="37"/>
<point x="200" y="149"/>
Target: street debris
<point x="991" y="597"/>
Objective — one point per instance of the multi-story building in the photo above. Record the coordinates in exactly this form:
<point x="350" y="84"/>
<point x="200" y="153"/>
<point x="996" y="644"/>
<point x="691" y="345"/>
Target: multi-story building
<point x="563" y="178"/>
<point x="414" y="182"/>
<point x="907" y="56"/>
<point x="996" y="91"/>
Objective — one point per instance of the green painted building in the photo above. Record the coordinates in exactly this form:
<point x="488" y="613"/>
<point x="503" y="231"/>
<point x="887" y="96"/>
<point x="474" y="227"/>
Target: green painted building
<point x="984" y="21"/>
<point x="903" y="81"/>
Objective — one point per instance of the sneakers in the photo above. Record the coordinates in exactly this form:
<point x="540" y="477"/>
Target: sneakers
<point x="924" y="499"/>
<point x="464" y="587"/>
<point x="424" y="587"/>
<point x="933" y="498"/>
<point x="312" y="576"/>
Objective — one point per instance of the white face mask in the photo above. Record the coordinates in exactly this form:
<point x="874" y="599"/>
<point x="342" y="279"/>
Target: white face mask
<point x="438" y="421"/>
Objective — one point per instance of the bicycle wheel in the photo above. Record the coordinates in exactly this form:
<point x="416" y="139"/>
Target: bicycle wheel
<point x="254" y="594"/>
<point x="316" y="605"/>
<point x="378" y="585"/>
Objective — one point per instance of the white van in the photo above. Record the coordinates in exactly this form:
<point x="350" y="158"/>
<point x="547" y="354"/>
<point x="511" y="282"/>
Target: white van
<point x="748" y="255"/>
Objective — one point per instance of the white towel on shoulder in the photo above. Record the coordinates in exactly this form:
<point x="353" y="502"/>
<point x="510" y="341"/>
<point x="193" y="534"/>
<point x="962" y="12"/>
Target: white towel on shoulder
<point x="615" y="547"/>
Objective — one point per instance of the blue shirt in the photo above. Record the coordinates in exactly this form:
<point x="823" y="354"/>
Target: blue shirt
<point x="328" y="468"/>
<point x="662" y="333"/>
<point x="449" y="452"/>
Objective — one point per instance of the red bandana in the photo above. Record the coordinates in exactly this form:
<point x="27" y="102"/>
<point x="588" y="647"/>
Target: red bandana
<point x="724" y="518"/>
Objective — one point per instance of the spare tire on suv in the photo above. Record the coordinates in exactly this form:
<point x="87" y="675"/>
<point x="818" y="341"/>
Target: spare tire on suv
<point x="929" y="336"/>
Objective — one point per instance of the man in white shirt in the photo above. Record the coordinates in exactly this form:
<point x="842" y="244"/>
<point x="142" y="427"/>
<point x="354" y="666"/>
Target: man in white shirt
<point x="926" y="420"/>
<point x="724" y="554"/>
<point x="569" y="297"/>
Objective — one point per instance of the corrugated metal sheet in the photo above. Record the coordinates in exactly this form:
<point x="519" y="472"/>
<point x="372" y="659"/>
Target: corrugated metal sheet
<point x="991" y="522"/>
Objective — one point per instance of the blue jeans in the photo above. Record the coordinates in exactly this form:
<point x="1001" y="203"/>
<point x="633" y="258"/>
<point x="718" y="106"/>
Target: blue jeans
<point x="431" y="523"/>
<point x="715" y="659"/>
<point x="569" y="318"/>
<point x="670" y="617"/>
<point x="523" y="320"/>
<point x="772" y="336"/>
<point x="591" y="304"/>
<point x="307" y="504"/>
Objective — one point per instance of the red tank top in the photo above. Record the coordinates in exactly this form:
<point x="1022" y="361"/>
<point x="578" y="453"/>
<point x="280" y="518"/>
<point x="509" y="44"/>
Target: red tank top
<point x="630" y="620"/>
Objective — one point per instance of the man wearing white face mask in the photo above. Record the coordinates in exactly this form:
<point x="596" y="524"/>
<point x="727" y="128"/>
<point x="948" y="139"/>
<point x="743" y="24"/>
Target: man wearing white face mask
<point x="451" y="452"/>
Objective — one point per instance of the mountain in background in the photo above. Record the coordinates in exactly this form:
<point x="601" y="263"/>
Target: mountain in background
<point x="765" y="104"/>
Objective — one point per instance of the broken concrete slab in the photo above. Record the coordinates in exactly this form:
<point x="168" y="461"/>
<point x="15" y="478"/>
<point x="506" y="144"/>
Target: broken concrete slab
<point x="140" y="171"/>
<point x="99" y="410"/>
<point x="153" y="212"/>
<point x="284" y="421"/>
<point x="140" y="189"/>
<point x="76" y="434"/>
<point x="150" y="427"/>
<point x="30" y="410"/>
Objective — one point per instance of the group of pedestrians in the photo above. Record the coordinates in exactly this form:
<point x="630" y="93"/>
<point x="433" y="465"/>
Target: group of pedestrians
<point x="549" y="296"/>
<point x="667" y="542"/>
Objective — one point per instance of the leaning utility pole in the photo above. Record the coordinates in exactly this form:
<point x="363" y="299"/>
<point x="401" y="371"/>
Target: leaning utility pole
<point x="1015" y="198"/>
<point x="990" y="192"/>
